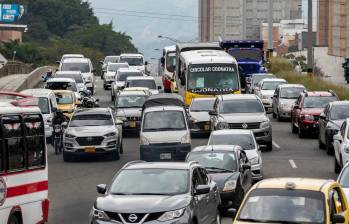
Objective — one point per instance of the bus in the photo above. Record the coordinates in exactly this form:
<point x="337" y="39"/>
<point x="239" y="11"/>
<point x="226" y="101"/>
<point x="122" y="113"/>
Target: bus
<point x="206" y="73"/>
<point x="168" y="64"/>
<point x="23" y="163"/>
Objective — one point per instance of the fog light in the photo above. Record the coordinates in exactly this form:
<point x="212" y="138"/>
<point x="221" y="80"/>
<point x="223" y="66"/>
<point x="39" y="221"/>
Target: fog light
<point x="113" y="143"/>
<point x="68" y="145"/>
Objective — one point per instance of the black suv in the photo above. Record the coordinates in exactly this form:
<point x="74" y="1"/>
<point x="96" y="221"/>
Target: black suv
<point x="144" y="192"/>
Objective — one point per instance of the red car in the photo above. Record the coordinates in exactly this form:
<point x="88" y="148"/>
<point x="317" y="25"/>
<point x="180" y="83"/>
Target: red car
<point x="306" y="111"/>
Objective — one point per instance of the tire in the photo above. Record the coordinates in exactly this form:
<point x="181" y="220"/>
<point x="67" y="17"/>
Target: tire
<point x="57" y="145"/>
<point x="278" y="116"/>
<point x="294" y="129"/>
<point x="269" y="146"/>
<point x="67" y="157"/>
<point x="122" y="148"/>
<point x="328" y="148"/>
<point x="105" y="87"/>
<point x="218" y="217"/>
<point x="112" y="97"/>
<point x="115" y="155"/>
<point x="274" y="114"/>
<point x="337" y="167"/>
<point x="301" y="133"/>
<point x="13" y="220"/>
<point x="321" y="145"/>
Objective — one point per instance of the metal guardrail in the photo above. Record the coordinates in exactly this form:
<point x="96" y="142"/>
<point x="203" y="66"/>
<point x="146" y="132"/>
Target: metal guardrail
<point x="34" y="78"/>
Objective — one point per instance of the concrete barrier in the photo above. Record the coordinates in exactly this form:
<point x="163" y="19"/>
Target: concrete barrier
<point x="33" y="78"/>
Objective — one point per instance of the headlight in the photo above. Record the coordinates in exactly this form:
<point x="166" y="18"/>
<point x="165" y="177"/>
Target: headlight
<point x="265" y="124"/>
<point x="254" y="161"/>
<point x="222" y="125"/>
<point x="100" y="215"/>
<point x="171" y="215"/>
<point x="143" y="141"/>
<point x="264" y="97"/>
<point x="346" y="149"/>
<point x="69" y="136"/>
<point x="230" y="185"/>
<point x="111" y="134"/>
<point x="193" y="120"/>
<point x="185" y="139"/>
<point x="308" y="117"/>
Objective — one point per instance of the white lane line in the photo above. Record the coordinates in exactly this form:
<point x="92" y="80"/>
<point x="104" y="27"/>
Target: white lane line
<point x="293" y="164"/>
<point x="276" y="145"/>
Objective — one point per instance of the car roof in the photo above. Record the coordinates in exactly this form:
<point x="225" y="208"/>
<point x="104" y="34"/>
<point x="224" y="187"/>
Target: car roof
<point x="92" y="111"/>
<point x="318" y="93"/>
<point x="203" y="99"/>
<point x="38" y="92"/>
<point x="133" y="93"/>
<point x="118" y="63"/>
<point x="211" y="148"/>
<point x="231" y="132"/>
<point x="238" y="96"/>
<point x="129" y="70"/>
<point x="131" y="55"/>
<point x="170" y="48"/>
<point x="182" y="47"/>
<point x="291" y="86"/>
<point x="112" y="56"/>
<point x="76" y="60"/>
<point x="163" y="108"/>
<point x="158" y="165"/>
<point x="8" y="108"/>
<point x="207" y="56"/>
<point x="61" y="80"/>
<point x="73" y="55"/>
<point x="273" y="80"/>
<point x="140" y="78"/>
<point x="298" y="183"/>
<point x="63" y="91"/>
<point x="68" y="73"/>
<point x="262" y="74"/>
<point x="344" y="102"/>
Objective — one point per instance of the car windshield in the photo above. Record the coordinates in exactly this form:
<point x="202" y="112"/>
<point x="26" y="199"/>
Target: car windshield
<point x="150" y="84"/>
<point x="132" y="61"/>
<point x="242" y="54"/>
<point x="246" y="141"/>
<point x="283" y="206"/>
<point x="339" y="112"/>
<point x="151" y="182"/>
<point x="272" y="85"/>
<point x="83" y="67"/>
<point x="171" y="61"/>
<point x="344" y="177"/>
<point x="257" y="78"/>
<point x="210" y="160"/>
<point x="122" y="76"/>
<point x="64" y="98"/>
<point x="216" y="78"/>
<point x="164" y="121"/>
<point x="130" y="101"/>
<point x="61" y="86"/>
<point x="82" y="120"/>
<point x="111" y="59"/>
<point x="115" y="67"/>
<point x="77" y="78"/>
<point x="241" y="106"/>
<point x="318" y="101"/>
<point x="202" y="105"/>
<point x="44" y="105"/>
<point x="291" y="93"/>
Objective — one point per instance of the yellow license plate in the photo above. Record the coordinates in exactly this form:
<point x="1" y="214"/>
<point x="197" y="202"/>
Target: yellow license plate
<point x="90" y="149"/>
<point x="207" y="127"/>
<point x="132" y="124"/>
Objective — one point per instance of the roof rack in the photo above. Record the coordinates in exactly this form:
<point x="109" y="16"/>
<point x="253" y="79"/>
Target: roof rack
<point x="133" y="162"/>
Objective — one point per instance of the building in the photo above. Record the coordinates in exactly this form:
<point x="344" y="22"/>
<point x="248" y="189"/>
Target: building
<point x="241" y="19"/>
<point x="322" y="23"/>
<point x="10" y="32"/>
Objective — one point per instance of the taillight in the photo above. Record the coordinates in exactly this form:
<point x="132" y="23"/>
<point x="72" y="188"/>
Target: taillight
<point x="45" y="204"/>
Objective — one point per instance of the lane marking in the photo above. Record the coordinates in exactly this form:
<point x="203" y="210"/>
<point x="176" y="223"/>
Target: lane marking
<point x="293" y="164"/>
<point x="276" y="145"/>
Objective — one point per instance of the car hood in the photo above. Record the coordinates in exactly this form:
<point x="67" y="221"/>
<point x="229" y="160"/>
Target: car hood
<point x="313" y="111"/>
<point x="154" y="203"/>
<point x="164" y="136"/>
<point x="244" y="117"/>
<point x="288" y="102"/>
<point x="267" y="92"/>
<point x="221" y="178"/>
<point x="200" y="116"/>
<point x="90" y="130"/>
<point x="65" y="107"/>
<point x="129" y="112"/>
<point x="251" y="153"/>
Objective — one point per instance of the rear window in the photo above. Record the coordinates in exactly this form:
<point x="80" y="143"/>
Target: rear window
<point x="318" y="101"/>
<point x="164" y="121"/>
<point x="77" y="78"/>
<point x="123" y="76"/>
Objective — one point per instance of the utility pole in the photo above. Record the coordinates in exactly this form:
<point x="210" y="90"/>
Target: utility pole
<point x="310" y="40"/>
<point x="225" y="19"/>
<point x="270" y="29"/>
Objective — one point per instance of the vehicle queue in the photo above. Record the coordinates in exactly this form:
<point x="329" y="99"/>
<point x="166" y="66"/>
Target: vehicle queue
<point x="173" y="182"/>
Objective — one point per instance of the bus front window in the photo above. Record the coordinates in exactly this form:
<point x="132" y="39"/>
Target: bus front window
<point x="213" y="78"/>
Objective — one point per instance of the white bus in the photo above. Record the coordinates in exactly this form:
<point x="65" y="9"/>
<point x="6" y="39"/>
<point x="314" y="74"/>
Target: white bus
<point x="23" y="164"/>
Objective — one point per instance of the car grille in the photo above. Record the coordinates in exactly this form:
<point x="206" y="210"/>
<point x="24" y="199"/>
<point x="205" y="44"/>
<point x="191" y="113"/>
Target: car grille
<point x="255" y="125"/>
<point x="133" y="118"/>
<point x="137" y="217"/>
<point x="86" y="141"/>
<point x="258" y="134"/>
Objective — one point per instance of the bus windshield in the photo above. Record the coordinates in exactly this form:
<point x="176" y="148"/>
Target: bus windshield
<point x="208" y="78"/>
<point x="171" y="61"/>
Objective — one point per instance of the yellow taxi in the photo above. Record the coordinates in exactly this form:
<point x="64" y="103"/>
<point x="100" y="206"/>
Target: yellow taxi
<point x="294" y="200"/>
<point x="66" y="101"/>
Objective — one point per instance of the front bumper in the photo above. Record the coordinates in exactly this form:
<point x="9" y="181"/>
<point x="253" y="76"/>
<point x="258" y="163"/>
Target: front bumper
<point x="263" y="136"/>
<point x="257" y="172"/>
<point x="309" y="126"/>
<point x="201" y="127"/>
<point x="231" y="199"/>
<point x="164" y="152"/>
<point x="284" y="112"/>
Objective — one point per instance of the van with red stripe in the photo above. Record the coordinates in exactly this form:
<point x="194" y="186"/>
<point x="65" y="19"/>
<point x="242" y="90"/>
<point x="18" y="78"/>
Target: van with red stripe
<point x="23" y="164"/>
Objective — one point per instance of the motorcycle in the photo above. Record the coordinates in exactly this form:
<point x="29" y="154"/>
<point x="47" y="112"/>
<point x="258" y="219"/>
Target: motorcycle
<point x="88" y="101"/>
<point x="58" y="131"/>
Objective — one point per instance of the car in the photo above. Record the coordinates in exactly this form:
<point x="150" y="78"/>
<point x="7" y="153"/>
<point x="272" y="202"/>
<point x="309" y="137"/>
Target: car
<point x="229" y="167"/>
<point x="165" y="133"/>
<point x="330" y="121"/>
<point x="63" y="84"/>
<point x="66" y="56"/>
<point x="108" y="59"/>
<point x="136" y="61"/>
<point x="266" y="89"/>
<point x="143" y="81"/>
<point x="66" y="102"/>
<point x="343" y="180"/>
<point x="252" y="82"/>
<point x="76" y="75"/>
<point x="93" y="132"/>
<point x="294" y="200"/>
<point x="158" y="193"/>
<point x="284" y="97"/>
<point x="305" y="112"/>
<point x="120" y="79"/>
<point x="199" y="117"/>
<point x="128" y="108"/>
<point x="246" y="140"/>
<point x="242" y="111"/>
<point x="109" y="75"/>
<point x="341" y="146"/>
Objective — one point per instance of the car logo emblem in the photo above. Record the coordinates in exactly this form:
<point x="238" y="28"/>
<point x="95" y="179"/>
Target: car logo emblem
<point x="244" y="126"/>
<point x="132" y="218"/>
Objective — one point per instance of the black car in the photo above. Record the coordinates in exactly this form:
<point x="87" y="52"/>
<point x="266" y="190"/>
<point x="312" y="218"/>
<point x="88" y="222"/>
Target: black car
<point x="229" y="167"/>
<point x="165" y="193"/>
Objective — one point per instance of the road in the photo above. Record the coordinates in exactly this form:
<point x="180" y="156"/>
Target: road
<point x="72" y="188"/>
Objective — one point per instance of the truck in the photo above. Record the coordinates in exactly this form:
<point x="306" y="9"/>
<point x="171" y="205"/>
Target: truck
<point x="249" y="55"/>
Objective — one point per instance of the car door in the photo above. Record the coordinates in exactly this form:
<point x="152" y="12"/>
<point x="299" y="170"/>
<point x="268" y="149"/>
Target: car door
<point x="337" y="204"/>
<point x="337" y="142"/>
<point x="246" y="176"/>
<point x="323" y="124"/>
<point x="199" y="205"/>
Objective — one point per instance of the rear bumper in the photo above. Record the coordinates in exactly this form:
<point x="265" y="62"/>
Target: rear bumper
<point x="161" y="152"/>
<point x="263" y="136"/>
<point x="130" y="126"/>
<point x="108" y="82"/>
<point x="200" y="127"/>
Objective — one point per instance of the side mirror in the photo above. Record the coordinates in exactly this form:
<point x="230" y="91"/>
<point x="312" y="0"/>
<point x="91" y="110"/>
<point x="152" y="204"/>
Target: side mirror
<point x="146" y="63"/>
<point x="338" y="218"/>
<point x="54" y="109"/>
<point x="275" y="95"/>
<point x="101" y="188"/>
<point x="94" y="70"/>
<point x="162" y="60"/>
<point x="246" y="166"/>
<point x="64" y="124"/>
<point x="172" y="80"/>
<point x="102" y="62"/>
<point x="159" y="87"/>
<point x="258" y="147"/>
<point x="58" y="62"/>
<point x="202" y="189"/>
<point x="212" y="113"/>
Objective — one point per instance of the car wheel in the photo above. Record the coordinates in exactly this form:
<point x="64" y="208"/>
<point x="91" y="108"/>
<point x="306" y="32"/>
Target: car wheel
<point x="328" y="148"/>
<point x="269" y="146"/>
<point x="278" y="116"/>
<point x="293" y="128"/>
<point x="274" y="114"/>
<point x="321" y="145"/>
<point x="122" y="148"/>
<point x="337" y="167"/>
<point x="112" y="97"/>
<point x="115" y="155"/>
<point x="67" y="157"/>
<point x="301" y="133"/>
<point x="218" y="217"/>
<point x="13" y="220"/>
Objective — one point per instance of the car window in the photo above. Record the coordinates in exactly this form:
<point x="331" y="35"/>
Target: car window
<point x="35" y="140"/>
<point x="343" y="127"/>
<point x="336" y="202"/>
<point x="81" y="120"/>
<point x="318" y="101"/>
<point x="241" y="106"/>
<point x="344" y="177"/>
<point x="212" y="160"/>
<point x="164" y="121"/>
<point x="195" y="178"/>
<point x="339" y="112"/>
<point x="201" y="105"/>
<point x="83" y="67"/>
<point x="290" y="93"/>
<point x="150" y="84"/>
<point x="130" y="101"/>
<point x="272" y="85"/>
<point x="246" y="141"/>
<point x="123" y="76"/>
<point x="203" y="176"/>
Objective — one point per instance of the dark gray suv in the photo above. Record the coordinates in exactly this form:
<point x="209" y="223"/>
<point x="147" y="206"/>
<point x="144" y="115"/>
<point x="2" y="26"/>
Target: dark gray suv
<point x="153" y="193"/>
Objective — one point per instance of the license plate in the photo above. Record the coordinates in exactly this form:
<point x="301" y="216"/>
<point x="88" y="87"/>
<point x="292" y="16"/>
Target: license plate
<point x="207" y="127"/>
<point x="90" y="149"/>
<point x="165" y="156"/>
<point x="132" y="124"/>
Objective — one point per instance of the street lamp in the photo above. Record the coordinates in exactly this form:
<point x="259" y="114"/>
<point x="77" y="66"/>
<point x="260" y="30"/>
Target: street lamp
<point x="168" y="38"/>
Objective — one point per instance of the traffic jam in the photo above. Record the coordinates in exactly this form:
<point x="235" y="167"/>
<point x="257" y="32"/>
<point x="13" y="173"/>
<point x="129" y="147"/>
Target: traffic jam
<point x="208" y="91"/>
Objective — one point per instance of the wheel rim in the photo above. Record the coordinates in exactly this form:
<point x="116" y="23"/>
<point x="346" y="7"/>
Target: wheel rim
<point x="14" y="220"/>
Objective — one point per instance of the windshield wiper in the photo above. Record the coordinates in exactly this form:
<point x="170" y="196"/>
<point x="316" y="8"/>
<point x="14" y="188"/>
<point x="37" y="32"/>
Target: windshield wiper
<point x="220" y="169"/>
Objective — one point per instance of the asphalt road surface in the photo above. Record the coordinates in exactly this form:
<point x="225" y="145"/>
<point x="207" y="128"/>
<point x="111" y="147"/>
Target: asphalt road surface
<point x="72" y="186"/>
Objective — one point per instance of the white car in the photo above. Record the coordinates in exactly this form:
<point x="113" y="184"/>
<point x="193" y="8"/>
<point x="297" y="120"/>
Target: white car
<point x="120" y="79"/>
<point x="66" y="56"/>
<point x="343" y="180"/>
<point x="76" y="75"/>
<point x="246" y="140"/>
<point x="266" y="89"/>
<point x="109" y="59"/>
<point x="135" y="61"/>
<point x="143" y="81"/>
<point x="341" y="146"/>
<point x="109" y="75"/>
<point x="63" y="84"/>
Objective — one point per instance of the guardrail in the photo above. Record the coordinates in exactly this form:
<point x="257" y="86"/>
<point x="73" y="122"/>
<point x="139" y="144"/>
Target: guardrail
<point x="33" y="78"/>
<point x="15" y="67"/>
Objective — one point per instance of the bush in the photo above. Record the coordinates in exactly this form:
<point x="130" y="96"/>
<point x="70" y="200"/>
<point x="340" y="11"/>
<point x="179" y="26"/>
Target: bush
<point x="283" y="69"/>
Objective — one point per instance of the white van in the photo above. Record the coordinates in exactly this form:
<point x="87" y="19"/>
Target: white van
<point x="135" y="61"/>
<point x="63" y="84"/>
<point x="47" y="105"/>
